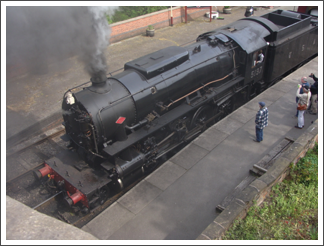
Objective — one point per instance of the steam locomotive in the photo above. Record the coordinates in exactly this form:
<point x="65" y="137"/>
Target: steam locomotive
<point x="120" y="126"/>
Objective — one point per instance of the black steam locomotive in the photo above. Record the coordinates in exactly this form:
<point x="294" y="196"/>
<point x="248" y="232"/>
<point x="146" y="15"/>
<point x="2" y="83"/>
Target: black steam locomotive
<point x="120" y="126"/>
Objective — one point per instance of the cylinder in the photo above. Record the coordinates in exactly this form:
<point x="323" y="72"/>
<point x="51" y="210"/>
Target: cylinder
<point x="125" y="182"/>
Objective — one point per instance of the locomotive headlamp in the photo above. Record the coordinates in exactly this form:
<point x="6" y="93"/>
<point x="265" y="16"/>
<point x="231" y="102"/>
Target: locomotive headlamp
<point x="69" y="98"/>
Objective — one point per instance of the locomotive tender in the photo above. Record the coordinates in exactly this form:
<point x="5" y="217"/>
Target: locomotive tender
<point x="121" y="125"/>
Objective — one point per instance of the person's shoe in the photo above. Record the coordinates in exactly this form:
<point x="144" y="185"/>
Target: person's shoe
<point x="256" y="141"/>
<point x="298" y="127"/>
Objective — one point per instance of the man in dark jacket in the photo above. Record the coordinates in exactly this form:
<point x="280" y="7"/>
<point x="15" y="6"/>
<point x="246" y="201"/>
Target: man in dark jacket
<point x="261" y="121"/>
<point x="314" y="98"/>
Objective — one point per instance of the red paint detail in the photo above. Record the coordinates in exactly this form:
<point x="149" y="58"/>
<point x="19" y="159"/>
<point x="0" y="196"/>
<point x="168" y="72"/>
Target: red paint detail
<point x="45" y="170"/>
<point x="70" y="189"/>
<point x="76" y="197"/>
<point x="120" y="120"/>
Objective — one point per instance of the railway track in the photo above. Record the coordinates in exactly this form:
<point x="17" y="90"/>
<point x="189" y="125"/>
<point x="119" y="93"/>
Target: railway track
<point x="44" y="197"/>
<point x="25" y="157"/>
<point x="31" y="153"/>
<point x="53" y="130"/>
<point x="40" y="194"/>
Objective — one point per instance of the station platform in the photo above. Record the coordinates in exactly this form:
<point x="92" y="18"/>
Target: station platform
<point x="178" y="200"/>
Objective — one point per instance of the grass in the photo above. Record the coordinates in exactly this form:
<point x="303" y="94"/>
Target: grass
<point x="291" y="210"/>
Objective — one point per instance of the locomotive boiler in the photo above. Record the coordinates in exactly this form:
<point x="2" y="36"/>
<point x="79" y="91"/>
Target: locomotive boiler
<point x="120" y="126"/>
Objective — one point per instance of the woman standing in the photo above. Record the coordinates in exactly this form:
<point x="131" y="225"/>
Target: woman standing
<point x="303" y="101"/>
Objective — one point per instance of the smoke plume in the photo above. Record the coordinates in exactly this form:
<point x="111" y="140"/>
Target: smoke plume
<point x="37" y="36"/>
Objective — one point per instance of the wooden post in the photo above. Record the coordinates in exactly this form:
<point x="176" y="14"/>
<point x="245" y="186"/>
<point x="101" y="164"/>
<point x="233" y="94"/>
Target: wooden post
<point x="210" y="13"/>
<point x="171" y="17"/>
<point x="186" y="14"/>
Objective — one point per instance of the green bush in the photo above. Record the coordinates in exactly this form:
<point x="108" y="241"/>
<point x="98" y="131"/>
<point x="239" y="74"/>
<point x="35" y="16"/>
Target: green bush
<point x="306" y="170"/>
<point x="291" y="210"/>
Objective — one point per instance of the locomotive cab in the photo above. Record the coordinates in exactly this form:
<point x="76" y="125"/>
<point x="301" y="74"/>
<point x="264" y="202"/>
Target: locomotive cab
<point x="255" y="65"/>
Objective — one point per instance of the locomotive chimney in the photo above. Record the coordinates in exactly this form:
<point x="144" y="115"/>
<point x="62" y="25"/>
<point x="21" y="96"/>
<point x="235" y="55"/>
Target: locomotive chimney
<point x="99" y="83"/>
<point x="98" y="78"/>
